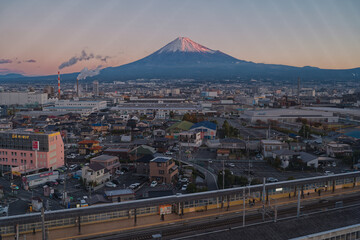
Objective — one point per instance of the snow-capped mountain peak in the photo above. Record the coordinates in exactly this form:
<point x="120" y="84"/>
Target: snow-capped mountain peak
<point x="183" y="44"/>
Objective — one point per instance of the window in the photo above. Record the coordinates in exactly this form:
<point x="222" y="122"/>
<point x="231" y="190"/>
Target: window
<point x="159" y="164"/>
<point x="24" y="154"/>
<point x="30" y="154"/>
<point x="31" y="161"/>
<point x="161" y="171"/>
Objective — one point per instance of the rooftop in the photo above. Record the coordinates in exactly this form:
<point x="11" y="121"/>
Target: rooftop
<point x="161" y="159"/>
<point x="104" y="157"/>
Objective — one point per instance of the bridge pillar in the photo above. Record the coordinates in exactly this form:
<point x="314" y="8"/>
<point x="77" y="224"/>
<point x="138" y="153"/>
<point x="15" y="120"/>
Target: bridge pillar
<point x="267" y="195"/>
<point x="135" y="216"/>
<point x="79" y="224"/>
<point x="354" y="184"/>
<point x="295" y="191"/>
<point x="222" y="202"/>
<point x="333" y="186"/>
<point x="181" y="209"/>
<point x="302" y="191"/>
<point x="16" y="230"/>
<point x="228" y="201"/>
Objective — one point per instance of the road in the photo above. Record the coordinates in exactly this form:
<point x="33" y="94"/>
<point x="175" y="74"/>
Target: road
<point x="210" y="177"/>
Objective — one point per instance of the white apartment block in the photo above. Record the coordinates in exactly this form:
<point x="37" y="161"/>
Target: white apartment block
<point x="23" y="98"/>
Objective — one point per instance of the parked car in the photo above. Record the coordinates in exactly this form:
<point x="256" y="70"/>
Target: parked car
<point x="52" y="183"/>
<point x="117" y="182"/>
<point x="184" y="180"/>
<point x="168" y="153"/>
<point x="73" y="167"/>
<point x="4" y="210"/>
<point x="271" y="179"/>
<point x="184" y="187"/>
<point x="328" y="173"/>
<point x="134" y="185"/>
<point x="153" y="184"/>
<point x="14" y="187"/>
<point x="118" y="172"/>
<point x="57" y="195"/>
<point x="110" y="184"/>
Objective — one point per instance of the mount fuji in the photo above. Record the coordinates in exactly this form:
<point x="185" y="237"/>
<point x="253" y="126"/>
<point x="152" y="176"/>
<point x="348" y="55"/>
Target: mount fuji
<point x="184" y="58"/>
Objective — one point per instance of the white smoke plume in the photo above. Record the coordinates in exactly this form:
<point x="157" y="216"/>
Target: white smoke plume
<point x="84" y="56"/>
<point x="88" y="73"/>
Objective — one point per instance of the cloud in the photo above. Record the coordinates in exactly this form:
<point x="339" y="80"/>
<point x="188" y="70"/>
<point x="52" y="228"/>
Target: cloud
<point x="30" y="61"/>
<point x="88" y="73"/>
<point x="84" y="56"/>
<point x="3" y="61"/>
<point x="104" y="59"/>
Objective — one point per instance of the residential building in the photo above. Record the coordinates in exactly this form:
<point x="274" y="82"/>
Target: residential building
<point x="189" y="139"/>
<point x="269" y="146"/>
<point x="163" y="170"/>
<point x="177" y="128"/>
<point x="140" y="151"/>
<point x="89" y="146"/>
<point x="206" y="128"/>
<point x="143" y="165"/>
<point x="111" y="163"/>
<point x="120" y="195"/>
<point x="17" y="150"/>
<point x="338" y="150"/>
<point x="95" y="175"/>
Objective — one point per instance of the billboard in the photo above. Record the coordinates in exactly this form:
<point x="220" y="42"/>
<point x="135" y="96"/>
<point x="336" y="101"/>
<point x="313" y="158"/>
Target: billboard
<point x="35" y="145"/>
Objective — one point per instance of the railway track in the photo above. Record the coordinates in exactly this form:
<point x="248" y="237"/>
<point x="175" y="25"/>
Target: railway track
<point x="227" y="221"/>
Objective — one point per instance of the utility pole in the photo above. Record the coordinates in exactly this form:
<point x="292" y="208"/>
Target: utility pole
<point x="223" y="174"/>
<point x="244" y="211"/>
<point x="298" y="204"/>
<point x="43" y="223"/>
<point x="263" y="201"/>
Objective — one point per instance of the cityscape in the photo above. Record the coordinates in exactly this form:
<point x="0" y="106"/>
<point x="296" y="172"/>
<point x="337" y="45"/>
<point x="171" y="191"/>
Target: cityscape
<point x="177" y="125"/>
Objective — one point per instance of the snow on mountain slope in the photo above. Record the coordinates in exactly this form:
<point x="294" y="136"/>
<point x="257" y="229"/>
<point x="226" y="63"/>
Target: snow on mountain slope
<point x="183" y="44"/>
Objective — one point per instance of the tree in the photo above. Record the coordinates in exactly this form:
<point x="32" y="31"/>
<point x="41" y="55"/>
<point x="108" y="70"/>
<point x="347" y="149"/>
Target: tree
<point x="226" y="128"/>
<point x="172" y="115"/>
<point x="304" y="131"/>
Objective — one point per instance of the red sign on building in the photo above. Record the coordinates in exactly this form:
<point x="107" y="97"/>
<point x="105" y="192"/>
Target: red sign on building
<point x="35" y="145"/>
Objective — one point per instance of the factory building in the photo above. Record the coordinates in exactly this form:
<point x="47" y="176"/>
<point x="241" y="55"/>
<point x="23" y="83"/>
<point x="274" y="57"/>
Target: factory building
<point x="82" y="107"/>
<point x="288" y="115"/>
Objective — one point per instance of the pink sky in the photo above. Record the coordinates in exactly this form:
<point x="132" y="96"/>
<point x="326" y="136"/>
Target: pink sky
<point x="321" y="33"/>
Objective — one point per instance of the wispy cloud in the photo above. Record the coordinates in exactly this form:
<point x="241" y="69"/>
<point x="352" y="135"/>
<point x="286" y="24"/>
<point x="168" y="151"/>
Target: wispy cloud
<point x="30" y="61"/>
<point x="3" y="61"/>
<point x="84" y="56"/>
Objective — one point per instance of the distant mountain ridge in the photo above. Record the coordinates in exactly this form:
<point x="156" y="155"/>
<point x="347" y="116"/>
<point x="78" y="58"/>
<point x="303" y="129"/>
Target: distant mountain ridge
<point x="183" y="58"/>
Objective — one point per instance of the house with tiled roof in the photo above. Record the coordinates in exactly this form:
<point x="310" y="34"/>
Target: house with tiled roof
<point x="89" y="146"/>
<point x="206" y="128"/>
<point x="163" y="169"/>
<point x="95" y="175"/>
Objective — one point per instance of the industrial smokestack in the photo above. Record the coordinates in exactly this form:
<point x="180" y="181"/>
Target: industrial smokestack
<point x="59" y="85"/>
<point x="77" y="87"/>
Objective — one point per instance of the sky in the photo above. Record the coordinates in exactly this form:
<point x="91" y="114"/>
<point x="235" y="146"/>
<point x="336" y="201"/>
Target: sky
<point x="38" y="36"/>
